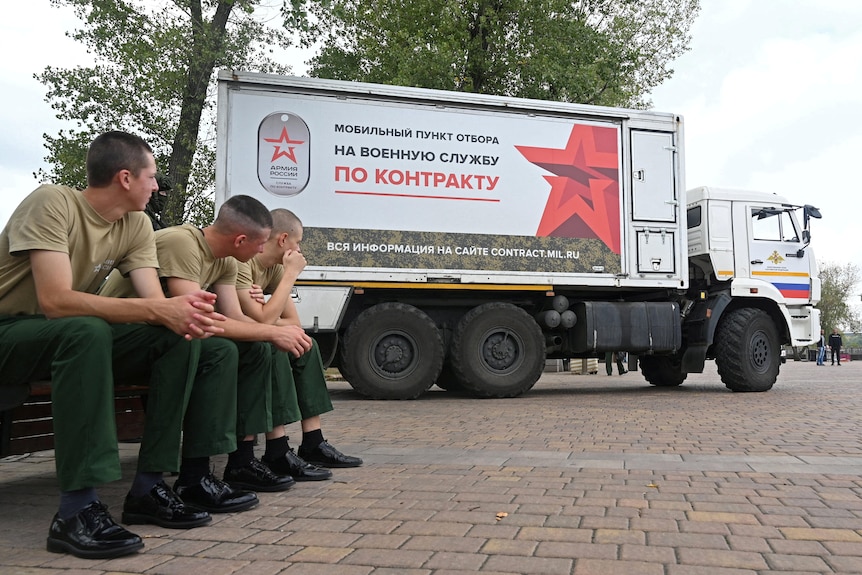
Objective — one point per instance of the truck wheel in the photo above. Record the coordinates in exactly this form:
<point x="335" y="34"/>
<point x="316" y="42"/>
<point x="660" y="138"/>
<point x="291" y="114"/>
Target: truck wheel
<point x="392" y="351"/>
<point x="747" y="351"/>
<point x="498" y="350"/>
<point x="662" y="370"/>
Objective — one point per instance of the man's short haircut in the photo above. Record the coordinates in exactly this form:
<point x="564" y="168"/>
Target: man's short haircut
<point x="243" y="215"/>
<point x="114" y="151"/>
<point x="284" y="221"/>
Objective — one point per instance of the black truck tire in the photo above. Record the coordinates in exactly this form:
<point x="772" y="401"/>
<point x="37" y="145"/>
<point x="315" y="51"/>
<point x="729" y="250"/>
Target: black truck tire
<point x="392" y="351"/>
<point x="747" y="352"/>
<point x="498" y="350"/>
<point x="662" y="370"/>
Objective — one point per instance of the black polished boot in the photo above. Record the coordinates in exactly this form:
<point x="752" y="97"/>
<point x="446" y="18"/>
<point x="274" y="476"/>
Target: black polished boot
<point x="92" y="534"/>
<point x="258" y="477"/>
<point x="164" y="508"/>
<point x="293" y="465"/>
<point x="215" y="496"/>
<point x="326" y="455"/>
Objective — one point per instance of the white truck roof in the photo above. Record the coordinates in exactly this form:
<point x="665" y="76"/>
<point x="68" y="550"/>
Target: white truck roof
<point x="708" y="192"/>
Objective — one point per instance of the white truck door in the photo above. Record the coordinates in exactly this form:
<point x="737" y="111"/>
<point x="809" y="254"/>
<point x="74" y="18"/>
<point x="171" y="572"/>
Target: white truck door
<point x="775" y="252"/>
<point x="654" y="204"/>
<point x="654" y="191"/>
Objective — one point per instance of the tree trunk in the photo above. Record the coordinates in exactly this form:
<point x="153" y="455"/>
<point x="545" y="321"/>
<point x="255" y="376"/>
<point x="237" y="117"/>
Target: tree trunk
<point x="207" y="42"/>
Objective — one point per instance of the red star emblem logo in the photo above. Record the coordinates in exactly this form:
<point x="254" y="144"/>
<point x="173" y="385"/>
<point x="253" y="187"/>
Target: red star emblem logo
<point x="290" y="152"/>
<point x="584" y="201"/>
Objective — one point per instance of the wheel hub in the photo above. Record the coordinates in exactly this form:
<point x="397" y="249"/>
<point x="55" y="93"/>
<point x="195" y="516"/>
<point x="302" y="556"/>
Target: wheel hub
<point x="500" y="351"/>
<point x="760" y="355"/>
<point x="393" y="354"/>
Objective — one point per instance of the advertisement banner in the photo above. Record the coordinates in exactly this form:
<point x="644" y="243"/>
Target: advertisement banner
<point x="391" y="184"/>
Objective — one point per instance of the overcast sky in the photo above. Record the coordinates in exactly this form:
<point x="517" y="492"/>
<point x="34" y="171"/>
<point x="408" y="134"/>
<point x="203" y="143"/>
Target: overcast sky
<point x="771" y="92"/>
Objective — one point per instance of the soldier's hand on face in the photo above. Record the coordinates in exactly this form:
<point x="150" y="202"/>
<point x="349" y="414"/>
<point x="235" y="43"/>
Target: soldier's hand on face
<point x="293" y="261"/>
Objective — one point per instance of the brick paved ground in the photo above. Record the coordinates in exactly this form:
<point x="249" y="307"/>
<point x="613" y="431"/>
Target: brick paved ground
<point x="583" y="475"/>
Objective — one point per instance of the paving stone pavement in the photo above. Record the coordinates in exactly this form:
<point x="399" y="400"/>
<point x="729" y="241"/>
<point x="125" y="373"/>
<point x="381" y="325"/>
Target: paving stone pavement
<point x="583" y="475"/>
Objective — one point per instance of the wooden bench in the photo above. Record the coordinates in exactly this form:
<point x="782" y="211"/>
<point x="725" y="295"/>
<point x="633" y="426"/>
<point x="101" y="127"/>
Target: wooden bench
<point x="26" y="424"/>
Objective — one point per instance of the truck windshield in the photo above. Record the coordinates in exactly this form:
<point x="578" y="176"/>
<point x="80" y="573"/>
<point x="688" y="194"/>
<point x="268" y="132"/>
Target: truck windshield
<point x="773" y="225"/>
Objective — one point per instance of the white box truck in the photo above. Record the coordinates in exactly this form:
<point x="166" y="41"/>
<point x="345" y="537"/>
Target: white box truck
<point x="464" y="239"/>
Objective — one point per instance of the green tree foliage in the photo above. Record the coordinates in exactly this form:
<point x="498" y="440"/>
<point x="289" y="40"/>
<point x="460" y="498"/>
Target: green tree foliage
<point x="153" y="76"/>
<point x="607" y="52"/>
<point x="839" y="286"/>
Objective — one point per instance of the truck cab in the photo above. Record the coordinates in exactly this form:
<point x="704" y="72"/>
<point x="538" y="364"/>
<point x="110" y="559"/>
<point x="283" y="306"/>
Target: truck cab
<point x="749" y="261"/>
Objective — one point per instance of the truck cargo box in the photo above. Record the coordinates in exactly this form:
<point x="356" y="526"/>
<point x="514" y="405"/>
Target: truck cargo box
<point x="411" y="185"/>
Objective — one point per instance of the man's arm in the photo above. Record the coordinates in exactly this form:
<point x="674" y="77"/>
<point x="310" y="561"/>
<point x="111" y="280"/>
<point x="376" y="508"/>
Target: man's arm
<point x="290" y="316"/>
<point x="252" y="301"/>
<point x="271" y="312"/>
<point x="239" y="327"/>
<point x="190" y="316"/>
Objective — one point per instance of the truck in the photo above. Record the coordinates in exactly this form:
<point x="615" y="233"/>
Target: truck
<point x="464" y="240"/>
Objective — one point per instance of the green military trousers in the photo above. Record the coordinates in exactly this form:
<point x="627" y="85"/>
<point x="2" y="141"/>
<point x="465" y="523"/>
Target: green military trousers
<point x="298" y="386"/>
<point x="200" y="412"/>
<point x="275" y="388"/>
<point x="84" y="355"/>
<point x="254" y="394"/>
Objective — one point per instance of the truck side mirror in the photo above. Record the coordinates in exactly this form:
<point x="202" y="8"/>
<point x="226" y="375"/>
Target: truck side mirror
<point x="809" y="212"/>
<point x="812" y="211"/>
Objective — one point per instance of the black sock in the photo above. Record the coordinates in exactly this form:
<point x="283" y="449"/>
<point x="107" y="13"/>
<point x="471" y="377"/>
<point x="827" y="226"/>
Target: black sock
<point x="276" y="448"/>
<point x="242" y="456"/>
<point x="193" y="469"/>
<point x="144" y="482"/>
<point x="73" y="501"/>
<point x="311" y="439"/>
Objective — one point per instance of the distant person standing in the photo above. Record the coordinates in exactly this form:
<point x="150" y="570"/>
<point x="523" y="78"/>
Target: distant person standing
<point x="835" y="345"/>
<point x="821" y="349"/>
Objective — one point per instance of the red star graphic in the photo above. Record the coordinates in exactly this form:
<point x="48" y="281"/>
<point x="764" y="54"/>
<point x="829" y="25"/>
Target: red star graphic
<point x="584" y="200"/>
<point x="284" y="139"/>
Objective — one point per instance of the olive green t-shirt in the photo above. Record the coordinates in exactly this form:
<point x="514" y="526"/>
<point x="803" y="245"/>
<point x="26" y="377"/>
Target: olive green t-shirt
<point x="59" y="218"/>
<point x="183" y="253"/>
<point x="253" y="272"/>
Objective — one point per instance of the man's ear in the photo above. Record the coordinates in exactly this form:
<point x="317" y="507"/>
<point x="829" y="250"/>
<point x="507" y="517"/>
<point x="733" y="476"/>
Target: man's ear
<point x="124" y="178"/>
<point x="239" y="240"/>
<point x="282" y="239"/>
